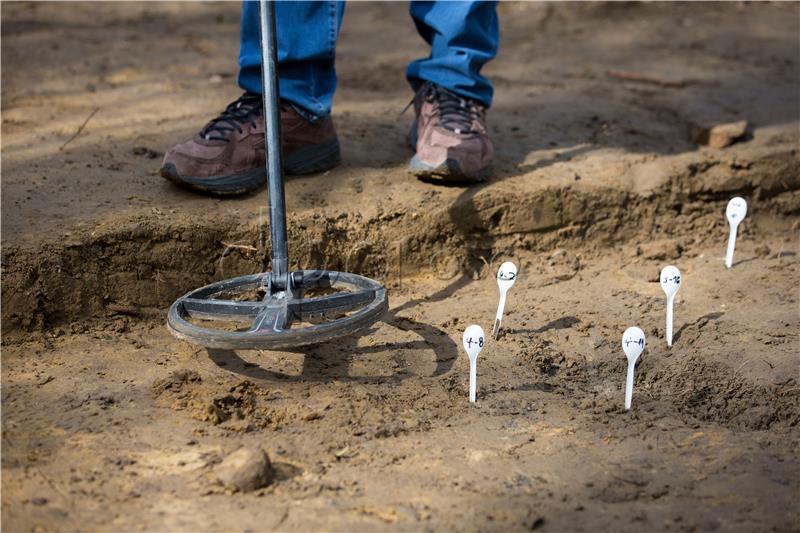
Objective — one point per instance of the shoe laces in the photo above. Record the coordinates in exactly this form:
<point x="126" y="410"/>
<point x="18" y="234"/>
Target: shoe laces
<point x="245" y="109"/>
<point x="456" y="113"/>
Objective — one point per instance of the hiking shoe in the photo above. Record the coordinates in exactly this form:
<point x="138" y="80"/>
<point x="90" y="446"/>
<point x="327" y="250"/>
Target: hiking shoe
<point x="228" y="155"/>
<point x="450" y="137"/>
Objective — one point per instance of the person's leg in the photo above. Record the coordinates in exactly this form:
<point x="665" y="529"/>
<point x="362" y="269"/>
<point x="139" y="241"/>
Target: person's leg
<point x="463" y="37"/>
<point x="449" y="133"/>
<point x="228" y="155"/>
<point x="307" y="33"/>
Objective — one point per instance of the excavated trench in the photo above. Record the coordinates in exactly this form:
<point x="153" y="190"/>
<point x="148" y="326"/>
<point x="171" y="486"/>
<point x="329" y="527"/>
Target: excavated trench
<point x="138" y="266"/>
<point x="145" y="262"/>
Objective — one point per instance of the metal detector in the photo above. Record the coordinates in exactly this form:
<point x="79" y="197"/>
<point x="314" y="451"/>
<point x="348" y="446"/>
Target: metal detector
<point x="277" y="309"/>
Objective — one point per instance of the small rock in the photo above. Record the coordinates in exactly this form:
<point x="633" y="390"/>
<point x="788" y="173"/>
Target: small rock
<point x="720" y="135"/>
<point x="245" y="470"/>
<point x="39" y="501"/>
<point x="145" y="151"/>
<point x="344" y="453"/>
<point x="314" y="415"/>
<point x="537" y="523"/>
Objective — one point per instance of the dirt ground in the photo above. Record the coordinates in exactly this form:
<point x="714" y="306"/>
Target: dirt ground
<point x="109" y="423"/>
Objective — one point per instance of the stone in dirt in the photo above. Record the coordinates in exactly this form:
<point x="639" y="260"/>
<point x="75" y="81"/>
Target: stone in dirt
<point x="245" y="470"/>
<point x="720" y="135"/>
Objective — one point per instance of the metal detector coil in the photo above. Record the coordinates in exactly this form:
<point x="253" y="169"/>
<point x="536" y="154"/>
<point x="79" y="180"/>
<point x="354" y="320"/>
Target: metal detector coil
<point x="279" y="309"/>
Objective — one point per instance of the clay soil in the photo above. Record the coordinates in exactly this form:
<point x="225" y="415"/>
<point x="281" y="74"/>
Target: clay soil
<point x="109" y="423"/>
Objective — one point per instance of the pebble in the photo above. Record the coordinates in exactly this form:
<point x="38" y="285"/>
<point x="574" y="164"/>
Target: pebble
<point x="245" y="470"/>
<point x="721" y="135"/>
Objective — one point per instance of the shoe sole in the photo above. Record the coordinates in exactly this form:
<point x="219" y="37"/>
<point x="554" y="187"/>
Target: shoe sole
<point x="448" y="171"/>
<point x="308" y="160"/>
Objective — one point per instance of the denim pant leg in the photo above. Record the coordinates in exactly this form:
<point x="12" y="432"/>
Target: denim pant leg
<point x="463" y="37"/>
<point x="307" y="33"/>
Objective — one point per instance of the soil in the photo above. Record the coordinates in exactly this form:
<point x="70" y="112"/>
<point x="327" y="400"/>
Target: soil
<point x="109" y="423"/>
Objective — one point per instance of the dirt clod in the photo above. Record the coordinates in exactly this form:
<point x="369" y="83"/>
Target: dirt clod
<point x="661" y="249"/>
<point x="176" y="381"/>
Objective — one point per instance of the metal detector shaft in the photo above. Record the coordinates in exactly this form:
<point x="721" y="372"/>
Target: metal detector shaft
<point x="286" y="315"/>
<point x="272" y="138"/>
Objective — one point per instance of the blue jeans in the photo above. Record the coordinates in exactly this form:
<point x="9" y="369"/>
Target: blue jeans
<point x="463" y="37"/>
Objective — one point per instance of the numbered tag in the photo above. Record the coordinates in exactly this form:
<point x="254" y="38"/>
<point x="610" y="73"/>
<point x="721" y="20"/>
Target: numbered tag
<point x="633" y="345"/>
<point x="473" y="341"/>
<point x="670" y="283"/>
<point x="670" y="280"/>
<point x="736" y="210"/>
<point x="506" y="277"/>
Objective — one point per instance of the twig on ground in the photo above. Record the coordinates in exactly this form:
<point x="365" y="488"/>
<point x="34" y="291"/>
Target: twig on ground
<point x="124" y="310"/>
<point x="133" y="310"/>
<point x="239" y="246"/>
<point x="80" y="128"/>
<point x="641" y="78"/>
<point x="52" y="485"/>
<point x="741" y="366"/>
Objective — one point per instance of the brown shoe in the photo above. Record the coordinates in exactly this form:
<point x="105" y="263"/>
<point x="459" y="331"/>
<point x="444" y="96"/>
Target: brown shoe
<point x="227" y="156"/>
<point x="450" y="137"/>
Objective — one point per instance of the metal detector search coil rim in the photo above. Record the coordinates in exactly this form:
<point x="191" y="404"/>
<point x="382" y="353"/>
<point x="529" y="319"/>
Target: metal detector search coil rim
<point x="200" y="303"/>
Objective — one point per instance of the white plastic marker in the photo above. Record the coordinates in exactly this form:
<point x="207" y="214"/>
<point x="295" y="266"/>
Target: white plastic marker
<point x="736" y="211"/>
<point x="506" y="277"/>
<point x="473" y="344"/>
<point x="670" y="283"/>
<point x="633" y="346"/>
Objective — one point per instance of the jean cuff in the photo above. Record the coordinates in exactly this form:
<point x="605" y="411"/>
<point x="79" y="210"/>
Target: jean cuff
<point x="305" y="113"/>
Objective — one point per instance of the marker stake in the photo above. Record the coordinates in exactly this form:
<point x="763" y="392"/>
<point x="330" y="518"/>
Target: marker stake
<point x="670" y="303"/>
<point x="633" y="345"/>
<point x="735" y="212"/>
<point x="473" y="379"/>
<point x="629" y="385"/>
<point x="506" y="277"/>
<point x="731" y="246"/>
<point x="498" y="318"/>
<point x="473" y="341"/>
<point x="670" y="283"/>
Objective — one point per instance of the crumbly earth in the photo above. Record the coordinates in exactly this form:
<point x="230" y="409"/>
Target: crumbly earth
<point x="109" y="423"/>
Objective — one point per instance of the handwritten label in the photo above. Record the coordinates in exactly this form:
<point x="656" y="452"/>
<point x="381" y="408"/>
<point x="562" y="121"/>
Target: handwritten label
<point x="736" y="210"/>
